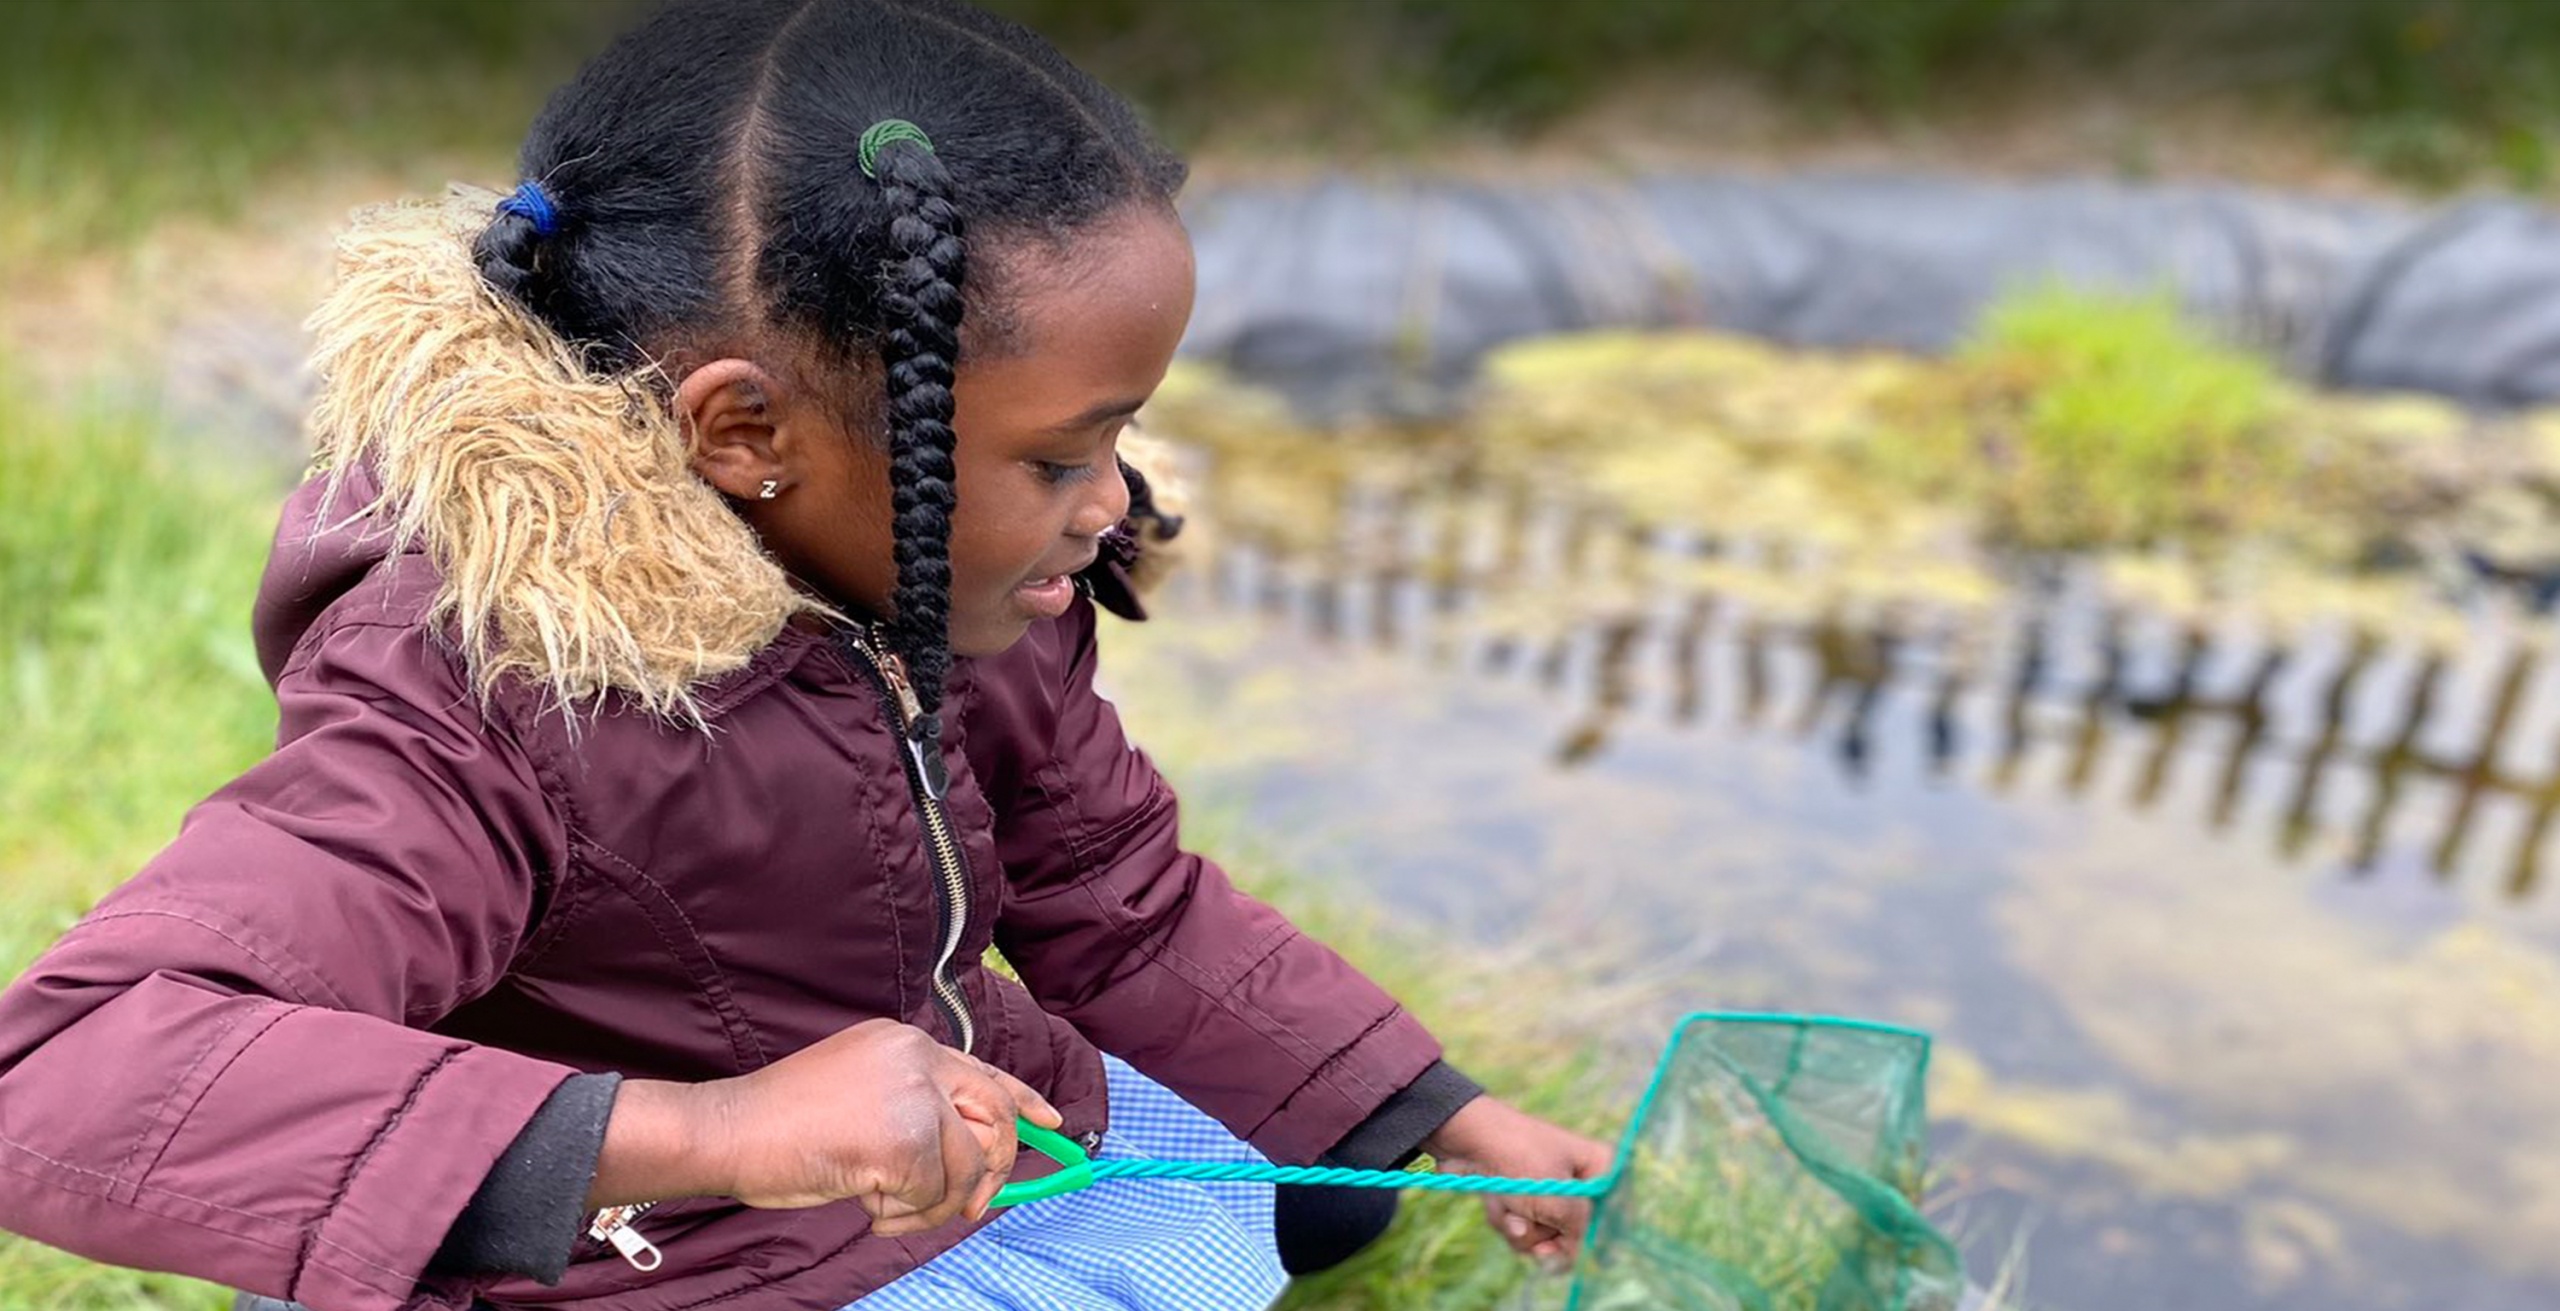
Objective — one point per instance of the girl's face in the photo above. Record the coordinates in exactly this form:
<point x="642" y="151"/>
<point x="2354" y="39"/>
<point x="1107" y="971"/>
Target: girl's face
<point x="1087" y="340"/>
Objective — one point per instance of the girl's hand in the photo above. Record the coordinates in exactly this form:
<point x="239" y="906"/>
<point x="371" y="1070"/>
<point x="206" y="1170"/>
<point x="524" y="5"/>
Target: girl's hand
<point x="1492" y="1137"/>
<point x="917" y="1132"/>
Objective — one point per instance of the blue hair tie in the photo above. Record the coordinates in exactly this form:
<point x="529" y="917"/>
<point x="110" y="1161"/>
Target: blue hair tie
<point x="529" y="201"/>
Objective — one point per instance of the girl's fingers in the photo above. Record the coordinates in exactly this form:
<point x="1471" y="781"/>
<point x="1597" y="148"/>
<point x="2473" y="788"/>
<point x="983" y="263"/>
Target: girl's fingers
<point x="988" y="1103"/>
<point x="891" y="1215"/>
<point x="1522" y="1232"/>
<point x="986" y="1196"/>
<point x="990" y="1108"/>
<point x="1017" y="1097"/>
<point x="1031" y="1105"/>
<point x="1565" y="1218"/>
<point x="1000" y="1146"/>
<point x="1548" y="1234"/>
<point x="915" y="1190"/>
<point x="1507" y="1221"/>
<point x="896" y="1226"/>
<point x="964" y="1167"/>
<point x="1537" y="1240"/>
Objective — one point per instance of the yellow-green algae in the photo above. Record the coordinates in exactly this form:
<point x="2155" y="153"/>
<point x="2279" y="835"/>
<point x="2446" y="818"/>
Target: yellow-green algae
<point x="2190" y="475"/>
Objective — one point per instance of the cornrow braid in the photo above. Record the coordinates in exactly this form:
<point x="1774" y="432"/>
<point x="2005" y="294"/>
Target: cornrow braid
<point x="919" y="356"/>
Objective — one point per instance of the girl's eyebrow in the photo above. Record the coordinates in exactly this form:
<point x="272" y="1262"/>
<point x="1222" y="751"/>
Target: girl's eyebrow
<point x="1100" y="413"/>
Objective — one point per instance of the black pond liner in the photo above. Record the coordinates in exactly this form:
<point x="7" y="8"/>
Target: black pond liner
<point x="1381" y="297"/>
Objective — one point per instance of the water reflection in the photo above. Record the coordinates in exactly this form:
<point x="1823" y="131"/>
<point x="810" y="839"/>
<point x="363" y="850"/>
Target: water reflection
<point x="2048" y="826"/>
<point x="2354" y="721"/>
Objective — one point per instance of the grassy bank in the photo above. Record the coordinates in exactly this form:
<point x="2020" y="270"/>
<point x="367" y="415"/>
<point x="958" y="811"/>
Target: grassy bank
<point x="130" y="691"/>
<point x="130" y="686"/>
<point x="123" y="116"/>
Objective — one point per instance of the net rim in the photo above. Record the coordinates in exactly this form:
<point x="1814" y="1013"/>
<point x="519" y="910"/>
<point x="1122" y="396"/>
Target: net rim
<point x="1661" y="1076"/>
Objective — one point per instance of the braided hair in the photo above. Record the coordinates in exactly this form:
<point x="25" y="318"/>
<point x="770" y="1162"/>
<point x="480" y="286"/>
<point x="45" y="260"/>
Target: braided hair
<point x="923" y="345"/>
<point x="708" y="175"/>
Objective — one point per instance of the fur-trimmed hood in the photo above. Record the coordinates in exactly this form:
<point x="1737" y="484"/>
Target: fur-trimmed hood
<point x="577" y="549"/>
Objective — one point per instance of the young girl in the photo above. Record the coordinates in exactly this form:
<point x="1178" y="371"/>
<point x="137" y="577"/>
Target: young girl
<point x="685" y="660"/>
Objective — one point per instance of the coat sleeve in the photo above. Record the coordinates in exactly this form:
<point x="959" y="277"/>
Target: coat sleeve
<point x="215" y="1072"/>
<point x="1148" y="949"/>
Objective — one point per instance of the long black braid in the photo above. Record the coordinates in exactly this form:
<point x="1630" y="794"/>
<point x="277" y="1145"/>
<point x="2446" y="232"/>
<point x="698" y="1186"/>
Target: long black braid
<point x="703" y="179"/>
<point x="919" y="357"/>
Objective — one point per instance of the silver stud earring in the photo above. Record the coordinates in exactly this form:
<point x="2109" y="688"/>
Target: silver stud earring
<point x="767" y="493"/>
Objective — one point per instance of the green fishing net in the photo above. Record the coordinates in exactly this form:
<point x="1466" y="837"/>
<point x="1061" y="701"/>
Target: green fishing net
<point x="1773" y="1166"/>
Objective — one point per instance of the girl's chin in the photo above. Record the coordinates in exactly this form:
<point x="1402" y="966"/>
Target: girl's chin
<point x="987" y="635"/>
<point x="991" y="629"/>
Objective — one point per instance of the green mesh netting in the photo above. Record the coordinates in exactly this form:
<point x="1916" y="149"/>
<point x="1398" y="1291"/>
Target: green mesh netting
<point x="1773" y="1166"/>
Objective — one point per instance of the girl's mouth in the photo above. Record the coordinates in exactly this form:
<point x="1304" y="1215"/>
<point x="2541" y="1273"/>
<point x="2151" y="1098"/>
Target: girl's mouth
<point x="1047" y="597"/>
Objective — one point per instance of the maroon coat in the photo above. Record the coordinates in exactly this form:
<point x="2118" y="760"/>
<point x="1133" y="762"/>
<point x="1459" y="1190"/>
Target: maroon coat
<point x="285" y="1054"/>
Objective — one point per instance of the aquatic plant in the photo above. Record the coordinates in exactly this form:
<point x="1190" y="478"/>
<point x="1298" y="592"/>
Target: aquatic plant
<point x="2079" y="420"/>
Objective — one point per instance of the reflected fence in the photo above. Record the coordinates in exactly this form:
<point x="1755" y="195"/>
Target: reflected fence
<point x="2379" y="749"/>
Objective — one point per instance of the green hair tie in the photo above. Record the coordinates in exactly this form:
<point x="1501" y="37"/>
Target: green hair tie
<point x="885" y="131"/>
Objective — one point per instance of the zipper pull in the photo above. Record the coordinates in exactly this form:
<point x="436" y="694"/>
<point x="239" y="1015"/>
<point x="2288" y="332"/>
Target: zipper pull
<point x="614" y="1226"/>
<point x="924" y="743"/>
<point x="893" y="670"/>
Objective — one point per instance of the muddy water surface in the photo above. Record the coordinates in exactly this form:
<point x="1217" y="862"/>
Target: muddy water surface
<point x="2240" y="946"/>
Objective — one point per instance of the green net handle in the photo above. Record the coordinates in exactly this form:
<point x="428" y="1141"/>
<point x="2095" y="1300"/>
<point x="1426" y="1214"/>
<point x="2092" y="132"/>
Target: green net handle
<point x="1077" y="1170"/>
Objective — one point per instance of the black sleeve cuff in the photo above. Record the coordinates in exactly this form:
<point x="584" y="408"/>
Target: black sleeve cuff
<point x="1392" y="1136"/>
<point x="528" y="1213"/>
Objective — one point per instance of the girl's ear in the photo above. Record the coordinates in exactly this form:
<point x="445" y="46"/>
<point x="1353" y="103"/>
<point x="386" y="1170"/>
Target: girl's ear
<point x="730" y="409"/>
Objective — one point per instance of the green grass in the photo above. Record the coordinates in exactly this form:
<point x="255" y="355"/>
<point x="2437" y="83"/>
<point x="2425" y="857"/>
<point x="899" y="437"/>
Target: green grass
<point x="123" y="114"/>
<point x="1440" y="1253"/>
<point x="1423" y="66"/>
<point x="130" y="687"/>
<point x="2081" y="420"/>
<point x="130" y="692"/>
<point x="2438" y="92"/>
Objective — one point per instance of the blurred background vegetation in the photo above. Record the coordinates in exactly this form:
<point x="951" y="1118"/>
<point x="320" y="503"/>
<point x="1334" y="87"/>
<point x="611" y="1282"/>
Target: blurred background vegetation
<point x="119" y="114"/>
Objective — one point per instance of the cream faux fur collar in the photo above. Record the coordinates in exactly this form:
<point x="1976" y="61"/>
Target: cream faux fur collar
<point x="578" y="549"/>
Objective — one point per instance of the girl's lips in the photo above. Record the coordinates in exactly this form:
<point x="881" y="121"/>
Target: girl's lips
<point x="1048" y="597"/>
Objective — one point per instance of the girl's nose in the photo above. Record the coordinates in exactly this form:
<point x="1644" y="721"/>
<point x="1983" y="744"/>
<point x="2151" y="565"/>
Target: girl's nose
<point x="1106" y="507"/>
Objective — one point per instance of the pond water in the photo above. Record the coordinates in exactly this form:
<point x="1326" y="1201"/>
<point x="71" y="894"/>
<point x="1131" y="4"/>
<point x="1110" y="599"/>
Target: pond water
<point x="2241" y="952"/>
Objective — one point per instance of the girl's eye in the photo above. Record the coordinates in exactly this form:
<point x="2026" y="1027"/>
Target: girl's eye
<point x="1059" y="473"/>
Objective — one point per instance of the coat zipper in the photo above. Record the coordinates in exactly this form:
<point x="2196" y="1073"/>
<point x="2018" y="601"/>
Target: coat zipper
<point x="928" y="778"/>
<point x="613" y="1225"/>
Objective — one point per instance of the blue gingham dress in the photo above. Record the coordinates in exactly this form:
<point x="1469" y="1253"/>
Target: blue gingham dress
<point x="1123" y="1245"/>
